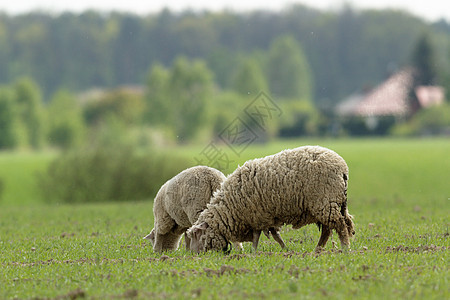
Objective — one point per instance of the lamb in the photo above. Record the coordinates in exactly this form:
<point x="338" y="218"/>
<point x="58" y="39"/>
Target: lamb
<point x="297" y="186"/>
<point x="178" y="204"/>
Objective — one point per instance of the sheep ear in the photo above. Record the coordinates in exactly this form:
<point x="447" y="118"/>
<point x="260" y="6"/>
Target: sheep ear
<point x="150" y="236"/>
<point x="198" y="230"/>
<point x="203" y="226"/>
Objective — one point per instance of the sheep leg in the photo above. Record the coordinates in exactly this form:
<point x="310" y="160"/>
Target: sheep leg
<point x="256" y="235"/>
<point x="238" y="246"/>
<point x="346" y="227"/>
<point x="277" y="237"/>
<point x="326" y="232"/>
<point x="343" y="236"/>
<point x="187" y="242"/>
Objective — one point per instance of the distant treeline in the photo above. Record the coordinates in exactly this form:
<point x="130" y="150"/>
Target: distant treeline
<point x="346" y="49"/>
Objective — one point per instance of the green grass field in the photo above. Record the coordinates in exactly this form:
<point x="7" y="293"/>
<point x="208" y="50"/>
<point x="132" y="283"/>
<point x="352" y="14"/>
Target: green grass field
<point x="399" y="193"/>
<point x="18" y="172"/>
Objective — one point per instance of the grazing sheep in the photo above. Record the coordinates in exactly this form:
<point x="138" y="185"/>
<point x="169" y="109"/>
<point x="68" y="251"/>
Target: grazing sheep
<point x="178" y="204"/>
<point x="298" y="186"/>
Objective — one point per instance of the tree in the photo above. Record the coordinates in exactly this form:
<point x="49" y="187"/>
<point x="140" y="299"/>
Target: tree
<point x="65" y="121"/>
<point x="347" y="48"/>
<point x="190" y="90"/>
<point x="29" y="102"/>
<point x="128" y="49"/>
<point x="227" y="106"/>
<point x="423" y="61"/>
<point x="249" y="79"/>
<point x="156" y="96"/>
<point x="301" y="118"/>
<point x="8" y="134"/>
<point x="125" y="104"/>
<point x="223" y="62"/>
<point x="288" y="70"/>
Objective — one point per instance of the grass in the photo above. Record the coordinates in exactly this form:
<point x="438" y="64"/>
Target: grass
<point x="18" y="173"/>
<point x="379" y="168"/>
<point x="398" y="192"/>
<point x="97" y="250"/>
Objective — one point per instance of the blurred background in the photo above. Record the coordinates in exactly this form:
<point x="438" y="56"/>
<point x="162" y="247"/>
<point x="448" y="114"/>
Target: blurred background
<point x="139" y="91"/>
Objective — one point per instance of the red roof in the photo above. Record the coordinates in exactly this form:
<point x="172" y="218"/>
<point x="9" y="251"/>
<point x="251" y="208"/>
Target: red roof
<point x="388" y="99"/>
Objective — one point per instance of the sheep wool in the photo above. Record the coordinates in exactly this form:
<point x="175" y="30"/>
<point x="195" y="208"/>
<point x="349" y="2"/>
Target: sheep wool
<point x="179" y="203"/>
<point x="297" y="186"/>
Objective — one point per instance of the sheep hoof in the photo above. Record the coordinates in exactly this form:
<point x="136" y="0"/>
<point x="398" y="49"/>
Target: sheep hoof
<point x="319" y="249"/>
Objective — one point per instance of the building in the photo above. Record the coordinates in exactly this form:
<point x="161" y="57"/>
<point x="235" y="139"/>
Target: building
<point x="393" y="100"/>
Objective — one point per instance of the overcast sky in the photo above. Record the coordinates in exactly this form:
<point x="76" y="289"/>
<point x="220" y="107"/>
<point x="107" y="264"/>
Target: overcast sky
<point x="428" y="9"/>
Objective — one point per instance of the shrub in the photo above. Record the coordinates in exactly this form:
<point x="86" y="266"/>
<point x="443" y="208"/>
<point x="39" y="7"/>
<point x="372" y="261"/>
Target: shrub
<point x="107" y="174"/>
<point x="300" y="118"/>
<point x="431" y="121"/>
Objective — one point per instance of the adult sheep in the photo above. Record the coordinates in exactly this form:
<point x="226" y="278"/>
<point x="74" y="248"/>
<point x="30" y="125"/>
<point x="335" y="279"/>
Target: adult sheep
<point x="298" y="186"/>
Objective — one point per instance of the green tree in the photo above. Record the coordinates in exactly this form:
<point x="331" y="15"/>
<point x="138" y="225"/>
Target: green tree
<point x="124" y="104"/>
<point x="347" y="48"/>
<point x="301" y="118"/>
<point x="156" y="96"/>
<point x="29" y="101"/>
<point x="190" y="92"/>
<point x="127" y="48"/>
<point x="65" y="121"/>
<point x="8" y="134"/>
<point x="423" y="61"/>
<point x="227" y="106"/>
<point x="288" y="70"/>
<point x="249" y="79"/>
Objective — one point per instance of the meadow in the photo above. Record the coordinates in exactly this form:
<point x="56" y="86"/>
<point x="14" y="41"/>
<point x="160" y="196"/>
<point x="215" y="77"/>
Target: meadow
<point x="399" y="194"/>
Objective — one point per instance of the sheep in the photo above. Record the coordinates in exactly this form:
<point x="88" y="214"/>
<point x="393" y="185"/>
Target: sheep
<point x="178" y="204"/>
<point x="298" y="186"/>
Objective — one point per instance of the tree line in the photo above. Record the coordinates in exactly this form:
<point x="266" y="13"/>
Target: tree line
<point x="345" y="49"/>
<point x="197" y="69"/>
<point x="179" y="101"/>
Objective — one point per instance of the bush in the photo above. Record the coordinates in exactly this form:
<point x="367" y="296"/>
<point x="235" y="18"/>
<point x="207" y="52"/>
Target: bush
<point x="300" y="118"/>
<point x="431" y="121"/>
<point x="107" y="174"/>
<point x="365" y="126"/>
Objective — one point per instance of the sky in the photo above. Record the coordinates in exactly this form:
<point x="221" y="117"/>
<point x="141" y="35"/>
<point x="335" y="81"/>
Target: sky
<point x="431" y="10"/>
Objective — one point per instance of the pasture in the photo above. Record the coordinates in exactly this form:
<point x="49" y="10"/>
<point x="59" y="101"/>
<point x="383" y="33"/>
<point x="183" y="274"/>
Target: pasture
<point x="399" y="194"/>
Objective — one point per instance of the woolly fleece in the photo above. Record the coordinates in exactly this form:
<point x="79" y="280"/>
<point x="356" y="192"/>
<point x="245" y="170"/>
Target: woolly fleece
<point x="179" y="203"/>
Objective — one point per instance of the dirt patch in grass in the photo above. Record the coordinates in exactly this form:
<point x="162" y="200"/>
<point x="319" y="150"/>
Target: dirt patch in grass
<point x="420" y="249"/>
<point x="223" y="270"/>
<point x="72" y="295"/>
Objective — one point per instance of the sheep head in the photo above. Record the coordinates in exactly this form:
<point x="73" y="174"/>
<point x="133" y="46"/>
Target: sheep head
<point x="197" y="236"/>
<point x="203" y="239"/>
